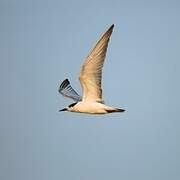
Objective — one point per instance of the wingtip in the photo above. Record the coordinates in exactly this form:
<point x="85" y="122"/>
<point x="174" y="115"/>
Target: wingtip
<point x="112" y="26"/>
<point x="66" y="80"/>
<point x="120" y="110"/>
<point x="63" y="84"/>
<point x="109" y="31"/>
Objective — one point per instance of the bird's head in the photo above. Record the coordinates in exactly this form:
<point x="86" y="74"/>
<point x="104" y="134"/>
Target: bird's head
<point x="68" y="108"/>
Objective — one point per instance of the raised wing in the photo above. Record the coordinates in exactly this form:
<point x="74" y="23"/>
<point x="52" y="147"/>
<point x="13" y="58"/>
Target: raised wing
<point x="91" y="71"/>
<point x="66" y="90"/>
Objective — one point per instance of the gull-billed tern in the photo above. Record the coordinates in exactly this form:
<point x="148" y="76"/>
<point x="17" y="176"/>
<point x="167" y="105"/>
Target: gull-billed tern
<point x="90" y="77"/>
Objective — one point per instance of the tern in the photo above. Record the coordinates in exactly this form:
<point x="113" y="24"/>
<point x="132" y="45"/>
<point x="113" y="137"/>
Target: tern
<point x="90" y="77"/>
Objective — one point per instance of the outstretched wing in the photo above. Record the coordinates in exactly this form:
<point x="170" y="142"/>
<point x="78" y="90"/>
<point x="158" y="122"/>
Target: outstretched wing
<point x="67" y="91"/>
<point x="91" y="71"/>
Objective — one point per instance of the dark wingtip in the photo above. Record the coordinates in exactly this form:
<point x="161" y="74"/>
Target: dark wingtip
<point x="115" y="110"/>
<point x="120" y="110"/>
<point x="64" y="84"/>
<point x="65" y="81"/>
<point x="109" y="31"/>
<point x="112" y="26"/>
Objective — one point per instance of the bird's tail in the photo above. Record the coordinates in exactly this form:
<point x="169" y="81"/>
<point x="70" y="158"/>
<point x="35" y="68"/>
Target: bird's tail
<point x="115" y="110"/>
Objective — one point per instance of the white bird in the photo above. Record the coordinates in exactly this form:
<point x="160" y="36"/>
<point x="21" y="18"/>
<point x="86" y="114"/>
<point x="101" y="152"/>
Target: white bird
<point x="90" y="78"/>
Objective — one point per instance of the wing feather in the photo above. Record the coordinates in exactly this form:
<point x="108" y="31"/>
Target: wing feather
<point x="67" y="91"/>
<point x="91" y="71"/>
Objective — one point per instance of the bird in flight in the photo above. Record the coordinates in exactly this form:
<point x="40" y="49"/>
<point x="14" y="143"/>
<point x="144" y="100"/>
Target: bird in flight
<point x="90" y="77"/>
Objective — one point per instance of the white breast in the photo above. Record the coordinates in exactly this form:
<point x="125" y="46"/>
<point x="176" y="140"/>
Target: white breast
<point x="90" y="107"/>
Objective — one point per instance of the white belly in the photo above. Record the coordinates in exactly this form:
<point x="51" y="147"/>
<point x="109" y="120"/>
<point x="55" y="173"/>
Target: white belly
<point x="90" y="107"/>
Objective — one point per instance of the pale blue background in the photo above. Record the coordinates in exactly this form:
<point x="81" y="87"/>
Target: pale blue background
<point x="44" y="42"/>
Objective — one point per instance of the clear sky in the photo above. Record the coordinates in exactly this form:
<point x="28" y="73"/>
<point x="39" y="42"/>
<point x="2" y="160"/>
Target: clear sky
<point x="42" y="43"/>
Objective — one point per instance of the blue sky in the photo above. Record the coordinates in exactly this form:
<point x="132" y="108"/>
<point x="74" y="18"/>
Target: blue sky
<point x="44" y="42"/>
